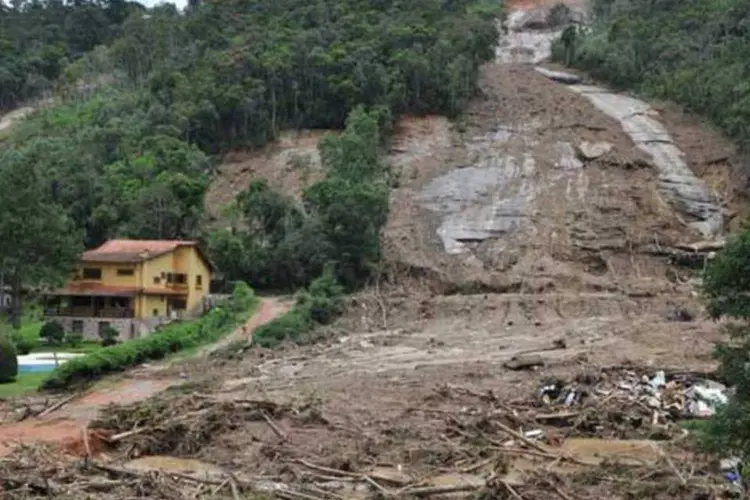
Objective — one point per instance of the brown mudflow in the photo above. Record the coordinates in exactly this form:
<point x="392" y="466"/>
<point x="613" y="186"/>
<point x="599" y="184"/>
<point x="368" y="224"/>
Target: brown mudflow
<point x="414" y="376"/>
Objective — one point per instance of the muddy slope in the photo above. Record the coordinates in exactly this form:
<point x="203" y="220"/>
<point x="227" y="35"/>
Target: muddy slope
<point x="548" y="186"/>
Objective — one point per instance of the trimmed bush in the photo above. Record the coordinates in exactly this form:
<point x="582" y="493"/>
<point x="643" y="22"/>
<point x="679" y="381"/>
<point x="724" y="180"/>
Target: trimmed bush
<point x="109" y="336"/>
<point x="171" y="338"/>
<point x="73" y="339"/>
<point x="8" y="361"/>
<point x="53" y="332"/>
<point x="26" y="338"/>
<point x="23" y="344"/>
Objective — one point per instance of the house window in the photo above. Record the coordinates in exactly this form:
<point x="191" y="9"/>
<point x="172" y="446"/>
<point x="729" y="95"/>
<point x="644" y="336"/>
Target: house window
<point x="92" y="273"/>
<point x="125" y="272"/>
<point x="156" y="312"/>
<point x="157" y="280"/>
<point x="77" y="326"/>
<point x="180" y="279"/>
<point x="103" y="325"/>
<point x="199" y="282"/>
<point x="170" y="277"/>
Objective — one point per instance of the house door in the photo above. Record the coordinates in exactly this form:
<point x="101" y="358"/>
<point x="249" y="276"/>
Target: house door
<point x="176" y="305"/>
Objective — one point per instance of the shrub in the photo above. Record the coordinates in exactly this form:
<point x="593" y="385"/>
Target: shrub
<point x="324" y="298"/>
<point x="109" y="336"/>
<point x="243" y="297"/>
<point x="24" y="343"/>
<point x="320" y="304"/>
<point x="170" y="339"/>
<point x="290" y="326"/>
<point x="53" y="332"/>
<point x="73" y="339"/>
<point x="8" y="360"/>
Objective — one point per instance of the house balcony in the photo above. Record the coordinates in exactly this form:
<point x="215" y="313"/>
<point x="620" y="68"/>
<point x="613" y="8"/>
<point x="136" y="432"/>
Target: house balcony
<point x="179" y="287"/>
<point x="89" y="312"/>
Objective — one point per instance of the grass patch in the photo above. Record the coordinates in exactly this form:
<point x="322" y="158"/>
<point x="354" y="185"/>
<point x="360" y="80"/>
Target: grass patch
<point x="25" y="383"/>
<point x="84" y="348"/>
<point x="172" y="338"/>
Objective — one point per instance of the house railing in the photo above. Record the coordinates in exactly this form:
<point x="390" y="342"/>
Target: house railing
<point x="89" y="312"/>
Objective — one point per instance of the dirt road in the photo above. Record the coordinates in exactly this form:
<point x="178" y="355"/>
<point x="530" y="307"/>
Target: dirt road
<point x="65" y="425"/>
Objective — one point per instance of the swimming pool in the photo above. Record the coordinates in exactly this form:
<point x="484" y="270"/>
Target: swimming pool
<point x="42" y="362"/>
<point x="36" y="368"/>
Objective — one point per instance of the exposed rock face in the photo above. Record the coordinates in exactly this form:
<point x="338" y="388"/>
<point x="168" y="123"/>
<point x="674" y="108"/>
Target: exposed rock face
<point x="537" y="191"/>
<point x="677" y="183"/>
<point x="559" y="76"/>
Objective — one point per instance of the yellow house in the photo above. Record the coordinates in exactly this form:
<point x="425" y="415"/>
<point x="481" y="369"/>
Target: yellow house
<point x="132" y="286"/>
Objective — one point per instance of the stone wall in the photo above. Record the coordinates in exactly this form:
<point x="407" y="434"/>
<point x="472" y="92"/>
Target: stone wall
<point x="129" y="328"/>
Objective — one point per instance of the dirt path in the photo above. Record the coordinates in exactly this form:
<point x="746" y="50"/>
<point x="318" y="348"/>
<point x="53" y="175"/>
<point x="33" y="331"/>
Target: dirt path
<point x="269" y="309"/>
<point x="65" y="426"/>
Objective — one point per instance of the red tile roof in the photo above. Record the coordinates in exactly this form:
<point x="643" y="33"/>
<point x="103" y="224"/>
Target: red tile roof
<point x="133" y="250"/>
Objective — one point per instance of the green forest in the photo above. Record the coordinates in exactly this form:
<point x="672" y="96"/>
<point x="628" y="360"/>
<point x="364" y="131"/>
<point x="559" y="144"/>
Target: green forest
<point x="693" y="52"/>
<point x="146" y="102"/>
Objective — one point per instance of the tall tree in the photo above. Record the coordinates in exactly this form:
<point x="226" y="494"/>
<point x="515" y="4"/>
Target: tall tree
<point x="39" y="243"/>
<point x="726" y="286"/>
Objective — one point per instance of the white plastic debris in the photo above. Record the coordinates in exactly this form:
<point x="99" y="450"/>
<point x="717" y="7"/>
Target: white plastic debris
<point x="700" y="409"/>
<point x="707" y="396"/>
<point x="571" y="398"/>
<point x="729" y="464"/>
<point x="536" y="433"/>
<point x="659" y="380"/>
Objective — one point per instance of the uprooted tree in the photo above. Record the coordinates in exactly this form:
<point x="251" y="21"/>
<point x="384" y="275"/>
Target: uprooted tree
<point x="726" y="286"/>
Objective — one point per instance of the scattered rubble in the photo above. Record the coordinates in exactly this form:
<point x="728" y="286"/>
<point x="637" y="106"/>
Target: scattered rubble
<point x="524" y="362"/>
<point x="559" y="76"/>
<point x="654" y="398"/>
<point x="593" y="435"/>
<point x="592" y="150"/>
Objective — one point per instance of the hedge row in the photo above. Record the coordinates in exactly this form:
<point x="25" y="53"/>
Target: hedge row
<point x="172" y="338"/>
<point x="320" y="304"/>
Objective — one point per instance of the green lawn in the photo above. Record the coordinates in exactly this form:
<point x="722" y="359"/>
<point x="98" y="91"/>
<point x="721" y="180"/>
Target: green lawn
<point x="24" y="384"/>
<point x="85" y="347"/>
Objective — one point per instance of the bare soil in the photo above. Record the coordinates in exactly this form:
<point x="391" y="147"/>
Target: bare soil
<point x="409" y="394"/>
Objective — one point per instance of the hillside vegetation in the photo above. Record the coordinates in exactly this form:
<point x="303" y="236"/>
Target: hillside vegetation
<point x="39" y="39"/>
<point x="694" y="52"/>
<point x="144" y="116"/>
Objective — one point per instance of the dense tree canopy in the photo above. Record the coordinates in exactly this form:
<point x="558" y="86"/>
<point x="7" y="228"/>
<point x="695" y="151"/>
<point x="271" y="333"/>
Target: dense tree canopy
<point x="726" y="286"/>
<point x="148" y="101"/>
<point x="38" y="38"/>
<point x="277" y="243"/>
<point x="694" y="52"/>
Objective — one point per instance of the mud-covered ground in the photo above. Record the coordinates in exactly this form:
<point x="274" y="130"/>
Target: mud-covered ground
<point x="504" y="241"/>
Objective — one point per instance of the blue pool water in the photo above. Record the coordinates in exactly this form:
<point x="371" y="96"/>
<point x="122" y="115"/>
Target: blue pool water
<point x="36" y="368"/>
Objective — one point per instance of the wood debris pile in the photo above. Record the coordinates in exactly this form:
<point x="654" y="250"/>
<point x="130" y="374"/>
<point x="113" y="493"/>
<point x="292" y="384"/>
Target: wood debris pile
<point x="458" y="441"/>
